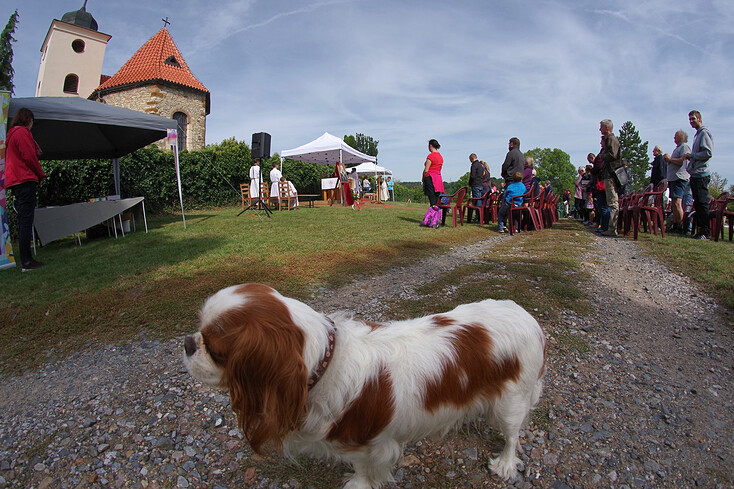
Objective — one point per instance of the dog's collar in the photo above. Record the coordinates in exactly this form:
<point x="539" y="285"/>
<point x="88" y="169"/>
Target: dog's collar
<point x="328" y="355"/>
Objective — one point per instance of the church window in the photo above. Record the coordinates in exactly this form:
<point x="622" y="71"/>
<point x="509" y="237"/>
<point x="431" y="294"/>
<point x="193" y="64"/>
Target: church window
<point x="71" y="83"/>
<point x="182" y="120"/>
<point x="171" y="60"/>
<point x="77" y="45"/>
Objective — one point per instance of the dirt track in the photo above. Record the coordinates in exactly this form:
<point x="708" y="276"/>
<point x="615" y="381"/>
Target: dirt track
<point x="643" y="400"/>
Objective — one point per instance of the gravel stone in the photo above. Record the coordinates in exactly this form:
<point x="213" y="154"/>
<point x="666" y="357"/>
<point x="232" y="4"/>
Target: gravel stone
<point x="638" y="393"/>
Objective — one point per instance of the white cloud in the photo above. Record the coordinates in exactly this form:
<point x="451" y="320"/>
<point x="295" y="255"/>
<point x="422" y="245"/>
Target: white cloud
<point x="471" y="74"/>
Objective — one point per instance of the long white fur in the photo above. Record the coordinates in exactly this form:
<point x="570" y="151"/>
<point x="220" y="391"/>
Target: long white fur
<point x="413" y="352"/>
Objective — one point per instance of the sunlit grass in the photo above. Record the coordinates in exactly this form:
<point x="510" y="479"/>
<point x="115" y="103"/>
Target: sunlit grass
<point x="154" y="283"/>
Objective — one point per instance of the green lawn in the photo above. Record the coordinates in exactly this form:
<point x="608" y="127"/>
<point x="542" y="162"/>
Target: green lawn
<point x="151" y="285"/>
<point x="154" y="283"/>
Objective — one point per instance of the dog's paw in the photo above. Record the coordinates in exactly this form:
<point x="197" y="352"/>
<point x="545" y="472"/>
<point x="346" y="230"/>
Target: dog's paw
<point x="506" y="469"/>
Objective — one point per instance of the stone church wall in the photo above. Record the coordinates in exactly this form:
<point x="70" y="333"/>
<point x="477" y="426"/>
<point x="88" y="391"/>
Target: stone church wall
<point x="164" y="100"/>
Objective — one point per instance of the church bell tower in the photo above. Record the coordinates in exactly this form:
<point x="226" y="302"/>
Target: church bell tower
<point x="71" y="56"/>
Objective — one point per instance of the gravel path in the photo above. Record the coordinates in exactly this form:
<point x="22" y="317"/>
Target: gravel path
<point x="648" y="405"/>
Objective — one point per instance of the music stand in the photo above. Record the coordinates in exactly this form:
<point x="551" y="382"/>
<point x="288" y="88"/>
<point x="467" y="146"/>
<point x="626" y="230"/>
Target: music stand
<point x="258" y="204"/>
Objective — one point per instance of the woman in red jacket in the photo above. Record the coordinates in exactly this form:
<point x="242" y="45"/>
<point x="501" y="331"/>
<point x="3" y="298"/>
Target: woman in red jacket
<point x="23" y="174"/>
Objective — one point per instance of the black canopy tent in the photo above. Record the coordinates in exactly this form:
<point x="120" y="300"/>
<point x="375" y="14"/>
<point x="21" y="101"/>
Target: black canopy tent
<point x="75" y="128"/>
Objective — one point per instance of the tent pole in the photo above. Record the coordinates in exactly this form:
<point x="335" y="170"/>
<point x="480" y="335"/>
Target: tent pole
<point x="173" y="142"/>
<point x="343" y="193"/>
<point x="116" y="174"/>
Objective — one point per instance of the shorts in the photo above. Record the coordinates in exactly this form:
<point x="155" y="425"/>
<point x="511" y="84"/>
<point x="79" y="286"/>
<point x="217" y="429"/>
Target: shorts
<point x="678" y="188"/>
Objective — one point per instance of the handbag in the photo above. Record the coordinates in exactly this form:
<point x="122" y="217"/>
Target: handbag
<point x="622" y="176"/>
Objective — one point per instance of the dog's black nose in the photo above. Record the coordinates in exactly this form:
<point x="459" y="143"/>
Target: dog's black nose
<point x="190" y="345"/>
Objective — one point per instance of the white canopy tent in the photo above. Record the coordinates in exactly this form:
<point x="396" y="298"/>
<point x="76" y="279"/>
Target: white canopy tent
<point x="371" y="169"/>
<point x="327" y="150"/>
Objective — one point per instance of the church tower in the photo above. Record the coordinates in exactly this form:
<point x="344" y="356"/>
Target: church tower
<point x="72" y="56"/>
<point x="157" y="80"/>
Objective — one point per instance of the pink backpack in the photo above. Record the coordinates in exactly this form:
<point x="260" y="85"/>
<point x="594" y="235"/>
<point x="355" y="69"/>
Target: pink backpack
<point x="432" y="218"/>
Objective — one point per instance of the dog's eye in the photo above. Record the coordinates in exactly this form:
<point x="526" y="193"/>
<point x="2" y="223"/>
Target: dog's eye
<point x="217" y="357"/>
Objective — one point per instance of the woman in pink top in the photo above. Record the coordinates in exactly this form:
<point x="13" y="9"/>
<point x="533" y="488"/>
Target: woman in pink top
<point x="432" y="181"/>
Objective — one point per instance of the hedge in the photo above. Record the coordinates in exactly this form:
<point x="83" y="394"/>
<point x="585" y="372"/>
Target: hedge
<point x="209" y="178"/>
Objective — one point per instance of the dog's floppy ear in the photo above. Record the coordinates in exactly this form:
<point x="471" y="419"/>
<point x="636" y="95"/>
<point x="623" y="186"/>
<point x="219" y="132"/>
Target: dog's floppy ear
<point x="266" y="374"/>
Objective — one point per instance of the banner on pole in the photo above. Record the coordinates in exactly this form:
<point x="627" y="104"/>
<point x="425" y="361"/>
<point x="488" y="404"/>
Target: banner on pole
<point x="7" y="260"/>
<point x="172" y="140"/>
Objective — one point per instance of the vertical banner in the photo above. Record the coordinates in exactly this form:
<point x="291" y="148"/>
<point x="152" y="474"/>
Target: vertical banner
<point x="7" y="260"/>
<point x="172" y="141"/>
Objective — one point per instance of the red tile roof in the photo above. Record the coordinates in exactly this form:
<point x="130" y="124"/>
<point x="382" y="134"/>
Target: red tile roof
<point x="157" y="59"/>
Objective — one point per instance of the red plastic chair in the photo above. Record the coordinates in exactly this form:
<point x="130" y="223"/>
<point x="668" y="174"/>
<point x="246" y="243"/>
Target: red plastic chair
<point x="537" y="204"/>
<point x="626" y="211"/>
<point x="522" y="204"/>
<point x="651" y="204"/>
<point x="473" y="203"/>
<point x="492" y="207"/>
<point x="456" y="205"/>
<point x="722" y="213"/>
<point x="549" y="209"/>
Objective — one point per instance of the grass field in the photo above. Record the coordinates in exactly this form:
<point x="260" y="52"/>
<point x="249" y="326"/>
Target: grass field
<point x="151" y="285"/>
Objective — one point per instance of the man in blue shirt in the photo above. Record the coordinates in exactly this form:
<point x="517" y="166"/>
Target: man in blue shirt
<point x="390" y="185"/>
<point x="513" y="191"/>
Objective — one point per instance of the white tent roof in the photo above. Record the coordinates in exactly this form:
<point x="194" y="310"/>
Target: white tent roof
<point x="371" y="169"/>
<point x="327" y="150"/>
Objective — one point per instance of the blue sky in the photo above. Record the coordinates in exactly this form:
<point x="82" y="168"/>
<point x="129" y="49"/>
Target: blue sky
<point x="471" y="74"/>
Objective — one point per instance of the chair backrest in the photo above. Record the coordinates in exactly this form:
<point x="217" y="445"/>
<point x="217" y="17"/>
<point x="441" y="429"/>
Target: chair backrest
<point x="655" y="198"/>
<point x="472" y="201"/>
<point x="461" y="193"/>
<point x="284" y="190"/>
<point x="520" y="198"/>
<point x="245" y="190"/>
<point x="539" y="200"/>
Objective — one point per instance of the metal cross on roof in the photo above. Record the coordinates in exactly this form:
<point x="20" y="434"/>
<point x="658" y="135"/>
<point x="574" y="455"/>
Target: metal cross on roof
<point x="165" y="21"/>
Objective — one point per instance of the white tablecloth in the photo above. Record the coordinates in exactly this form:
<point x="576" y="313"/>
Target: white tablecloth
<point x="52" y="223"/>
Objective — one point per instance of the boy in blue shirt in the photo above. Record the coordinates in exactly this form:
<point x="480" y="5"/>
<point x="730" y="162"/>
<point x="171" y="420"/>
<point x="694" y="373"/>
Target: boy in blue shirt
<point x="513" y="191"/>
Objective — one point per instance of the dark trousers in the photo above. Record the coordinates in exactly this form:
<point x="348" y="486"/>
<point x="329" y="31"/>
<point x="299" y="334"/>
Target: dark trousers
<point x="430" y="191"/>
<point x="700" y="191"/>
<point x="25" y="205"/>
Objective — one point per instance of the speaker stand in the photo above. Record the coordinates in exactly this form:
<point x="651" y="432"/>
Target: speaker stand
<point x="257" y="205"/>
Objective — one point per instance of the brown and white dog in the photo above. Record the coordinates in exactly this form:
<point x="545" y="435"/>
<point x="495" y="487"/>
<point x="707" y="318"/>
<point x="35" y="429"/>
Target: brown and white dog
<point x="385" y="385"/>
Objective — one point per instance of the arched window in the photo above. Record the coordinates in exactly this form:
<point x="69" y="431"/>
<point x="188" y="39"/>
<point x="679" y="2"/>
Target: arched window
<point x="71" y="83"/>
<point x="183" y="124"/>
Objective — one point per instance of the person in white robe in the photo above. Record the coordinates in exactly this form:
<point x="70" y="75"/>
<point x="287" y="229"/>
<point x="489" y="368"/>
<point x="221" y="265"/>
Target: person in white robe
<point x="275" y="176"/>
<point x="255" y="179"/>
<point x="384" y="195"/>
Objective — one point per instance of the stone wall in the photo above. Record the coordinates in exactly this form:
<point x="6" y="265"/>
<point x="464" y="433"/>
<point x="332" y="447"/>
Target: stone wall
<point x="164" y="100"/>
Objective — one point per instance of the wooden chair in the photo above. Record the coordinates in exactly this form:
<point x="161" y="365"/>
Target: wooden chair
<point x="456" y="205"/>
<point x="245" y="192"/>
<point x="478" y="203"/>
<point x="286" y="200"/>
<point x="265" y="193"/>
<point x="651" y="204"/>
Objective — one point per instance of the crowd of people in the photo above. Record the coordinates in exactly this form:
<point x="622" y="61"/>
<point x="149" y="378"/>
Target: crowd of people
<point x="686" y="170"/>
<point x="600" y="183"/>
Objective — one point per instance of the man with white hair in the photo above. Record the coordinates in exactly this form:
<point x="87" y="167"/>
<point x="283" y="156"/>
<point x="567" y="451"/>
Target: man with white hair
<point x="610" y="155"/>
<point x="659" y="167"/>
<point x="677" y="177"/>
